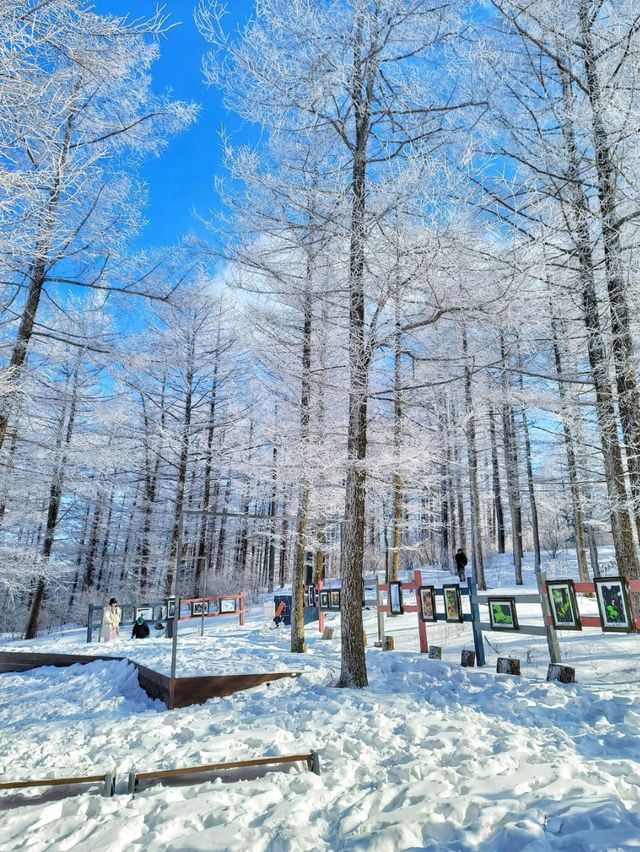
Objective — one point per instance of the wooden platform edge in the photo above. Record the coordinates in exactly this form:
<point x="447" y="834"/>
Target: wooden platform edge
<point x="187" y="691"/>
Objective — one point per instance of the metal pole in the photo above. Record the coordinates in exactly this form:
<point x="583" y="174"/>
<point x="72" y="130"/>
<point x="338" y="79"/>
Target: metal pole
<point x="475" y="621"/>
<point x="204" y="592"/>
<point x="379" y="613"/>
<point x="176" y="610"/>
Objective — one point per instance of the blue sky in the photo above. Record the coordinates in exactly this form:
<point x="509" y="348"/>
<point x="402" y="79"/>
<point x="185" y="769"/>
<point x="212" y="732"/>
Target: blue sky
<point x="181" y="179"/>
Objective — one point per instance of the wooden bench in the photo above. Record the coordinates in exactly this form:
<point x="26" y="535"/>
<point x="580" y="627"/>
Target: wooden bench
<point x="108" y="782"/>
<point x="310" y="758"/>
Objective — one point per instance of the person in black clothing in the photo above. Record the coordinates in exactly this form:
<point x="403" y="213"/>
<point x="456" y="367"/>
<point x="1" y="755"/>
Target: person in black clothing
<point x="461" y="561"/>
<point x="140" y="629"/>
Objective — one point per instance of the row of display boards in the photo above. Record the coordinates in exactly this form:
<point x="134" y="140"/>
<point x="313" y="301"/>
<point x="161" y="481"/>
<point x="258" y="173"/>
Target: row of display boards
<point x="612" y="596"/>
<point x="158" y="613"/>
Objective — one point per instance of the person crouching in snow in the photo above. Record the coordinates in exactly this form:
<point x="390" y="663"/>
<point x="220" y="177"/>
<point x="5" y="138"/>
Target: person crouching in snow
<point x="140" y="628"/>
<point x="111" y="621"/>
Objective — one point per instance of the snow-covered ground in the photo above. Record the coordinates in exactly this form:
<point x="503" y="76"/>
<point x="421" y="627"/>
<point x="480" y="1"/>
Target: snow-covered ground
<point x="430" y="756"/>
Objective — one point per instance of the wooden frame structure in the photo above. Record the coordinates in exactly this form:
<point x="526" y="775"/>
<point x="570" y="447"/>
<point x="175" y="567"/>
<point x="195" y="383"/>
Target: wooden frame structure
<point x="310" y="758"/>
<point x="173" y="692"/>
<point x="108" y="781"/>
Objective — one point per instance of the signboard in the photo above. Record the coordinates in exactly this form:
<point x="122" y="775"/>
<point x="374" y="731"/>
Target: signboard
<point x="228" y="605"/>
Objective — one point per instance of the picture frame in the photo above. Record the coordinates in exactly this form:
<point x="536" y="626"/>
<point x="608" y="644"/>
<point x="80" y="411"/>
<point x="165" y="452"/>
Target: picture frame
<point x="305" y="597"/>
<point x="199" y="608"/>
<point x="335" y="599"/>
<point x="228" y="605"/>
<point x="612" y="595"/>
<point x="503" y="614"/>
<point x="395" y="598"/>
<point x="145" y="611"/>
<point x="324" y="601"/>
<point x="563" y="605"/>
<point x="452" y="603"/>
<point x="311" y="592"/>
<point x="427" y="604"/>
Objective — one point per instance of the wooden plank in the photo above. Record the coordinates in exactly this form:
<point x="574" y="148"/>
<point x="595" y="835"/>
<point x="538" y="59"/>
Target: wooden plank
<point x="197" y="690"/>
<point x="216" y="767"/>
<point x="483" y="597"/>
<point x="17" y="661"/>
<point x="50" y="782"/>
<point x="527" y="629"/>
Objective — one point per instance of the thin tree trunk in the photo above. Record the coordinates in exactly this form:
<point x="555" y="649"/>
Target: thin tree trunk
<point x="474" y="494"/>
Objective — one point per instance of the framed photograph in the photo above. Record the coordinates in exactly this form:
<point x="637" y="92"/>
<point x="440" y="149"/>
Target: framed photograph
<point x="199" y="608"/>
<point x="324" y="600"/>
<point x="145" y="611"/>
<point x="502" y="614"/>
<point x="613" y="603"/>
<point x="564" y="605"/>
<point x="228" y="605"/>
<point x="305" y="597"/>
<point x="335" y="599"/>
<point x="171" y="608"/>
<point x="427" y="598"/>
<point x="395" y="599"/>
<point x="452" y="604"/>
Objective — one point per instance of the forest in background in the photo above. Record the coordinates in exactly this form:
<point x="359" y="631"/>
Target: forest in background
<point x="413" y="326"/>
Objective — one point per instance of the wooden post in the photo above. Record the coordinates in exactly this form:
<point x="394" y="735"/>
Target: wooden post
<point x="552" y="636"/>
<point x="475" y="621"/>
<point x="422" y="627"/>
<point x="241" y="613"/>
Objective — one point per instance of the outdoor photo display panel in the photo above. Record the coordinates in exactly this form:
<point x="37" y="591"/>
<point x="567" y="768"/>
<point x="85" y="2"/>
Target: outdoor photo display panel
<point x="324" y="600"/>
<point x="395" y="598"/>
<point x="452" y="603"/>
<point x="427" y="598"/>
<point x="564" y="605"/>
<point x="613" y="603"/>
<point x="502" y="613"/>
<point x="228" y="605"/>
<point x="334" y="599"/>
<point x="199" y="608"/>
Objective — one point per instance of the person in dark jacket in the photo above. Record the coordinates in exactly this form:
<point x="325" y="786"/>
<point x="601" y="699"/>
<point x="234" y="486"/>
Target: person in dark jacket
<point x="461" y="562"/>
<point x="140" y="629"/>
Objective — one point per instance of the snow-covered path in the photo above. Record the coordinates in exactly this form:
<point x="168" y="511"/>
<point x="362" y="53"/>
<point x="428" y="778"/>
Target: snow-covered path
<point x="431" y="756"/>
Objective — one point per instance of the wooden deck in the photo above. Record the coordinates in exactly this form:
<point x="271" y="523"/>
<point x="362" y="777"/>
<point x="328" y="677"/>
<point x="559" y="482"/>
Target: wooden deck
<point x="181" y="692"/>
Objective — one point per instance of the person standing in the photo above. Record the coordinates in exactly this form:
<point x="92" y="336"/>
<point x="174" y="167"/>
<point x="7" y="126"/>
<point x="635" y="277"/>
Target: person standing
<point x="461" y="563"/>
<point x="111" y="621"/>
<point x="140" y="628"/>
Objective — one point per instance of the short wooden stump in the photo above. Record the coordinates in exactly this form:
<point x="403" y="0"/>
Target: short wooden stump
<point x="468" y="659"/>
<point x="561" y="674"/>
<point x="508" y="665"/>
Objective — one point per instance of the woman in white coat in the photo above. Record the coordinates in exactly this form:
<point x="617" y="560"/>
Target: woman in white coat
<point x="111" y="621"/>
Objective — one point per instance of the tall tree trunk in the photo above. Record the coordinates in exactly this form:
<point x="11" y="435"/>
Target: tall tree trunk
<point x="474" y="493"/>
<point x="182" y="470"/>
<point x="297" y="586"/>
<point x="512" y="473"/>
<point x="579" y="215"/>
<point x="569" y="443"/>
<point x="497" y="493"/>
<point x="53" y="508"/>
<point x="622" y="341"/>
